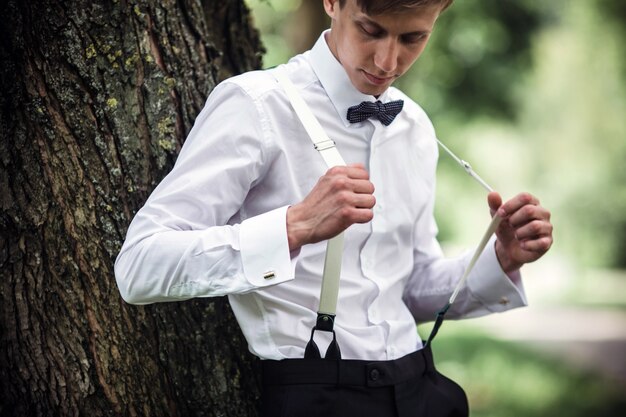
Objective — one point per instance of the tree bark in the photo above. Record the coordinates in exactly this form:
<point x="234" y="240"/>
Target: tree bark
<point x="97" y="98"/>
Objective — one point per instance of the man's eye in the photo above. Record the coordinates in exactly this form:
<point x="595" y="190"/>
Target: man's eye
<point x="369" y="31"/>
<point x="414" y="38"/>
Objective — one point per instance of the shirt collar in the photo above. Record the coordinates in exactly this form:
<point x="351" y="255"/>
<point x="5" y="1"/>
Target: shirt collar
<point x="335" y="80"/>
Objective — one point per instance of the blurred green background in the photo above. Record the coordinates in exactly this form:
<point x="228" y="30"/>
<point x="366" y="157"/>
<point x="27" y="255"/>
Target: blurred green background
<point x="533" y="95"/>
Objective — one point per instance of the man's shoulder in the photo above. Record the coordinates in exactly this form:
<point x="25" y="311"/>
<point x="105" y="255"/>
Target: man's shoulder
<point x="260" y="83"/>
<point x="254" y="83"/>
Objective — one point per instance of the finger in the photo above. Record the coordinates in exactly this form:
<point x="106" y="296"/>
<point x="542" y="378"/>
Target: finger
<point x="355" y="171"/>
<point x="538" y="246"/>
<point x="356" y="165"/>
<point x="351" y="215"/>
<point x="358" y="174"/>
<point x="362" y="187"/>
<point x="367" y="201"/>
<point x="494" y="200"/>
<point x="533" y="230"/>
<point x="528" y="213"/>
<point x="336" y="181"/>
<point x="517" y="202"/>
<point x="363" y="215"/>
<point x="351" y="199"/>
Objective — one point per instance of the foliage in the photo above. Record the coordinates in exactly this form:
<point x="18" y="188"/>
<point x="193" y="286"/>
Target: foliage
<point x="270" y="17"/>
<point x="503" y="379"/>
<point x="533" y="95"/>
<point x="477" y="48"/>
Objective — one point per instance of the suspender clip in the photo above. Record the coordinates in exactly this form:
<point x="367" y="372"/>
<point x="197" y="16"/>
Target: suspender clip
<point x="325" y="322"/>
<point x="325" y="144"/>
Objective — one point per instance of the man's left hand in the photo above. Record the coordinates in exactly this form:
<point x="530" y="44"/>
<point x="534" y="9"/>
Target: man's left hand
<point x="525" y="233"/>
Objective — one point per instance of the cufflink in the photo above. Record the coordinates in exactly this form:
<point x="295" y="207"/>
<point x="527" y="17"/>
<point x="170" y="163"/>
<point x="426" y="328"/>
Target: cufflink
<point x="269" y="275"/>
<point x="504" y="301"/>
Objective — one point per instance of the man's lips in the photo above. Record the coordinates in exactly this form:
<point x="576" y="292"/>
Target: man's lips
<point x="377" y="80"/>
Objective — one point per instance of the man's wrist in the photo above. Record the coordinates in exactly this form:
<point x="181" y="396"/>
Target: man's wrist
<point x="506" y="263"/>
<point x="295" y="234"/>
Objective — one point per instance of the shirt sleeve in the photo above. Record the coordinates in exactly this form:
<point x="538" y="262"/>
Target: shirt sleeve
<point x="488" y="289"/>
<point x="192" y="238"/>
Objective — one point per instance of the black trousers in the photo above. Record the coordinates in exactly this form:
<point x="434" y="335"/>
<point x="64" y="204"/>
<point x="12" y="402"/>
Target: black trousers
<point x="405" y="387"/>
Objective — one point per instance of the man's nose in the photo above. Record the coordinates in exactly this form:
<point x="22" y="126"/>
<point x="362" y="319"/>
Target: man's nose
<point x="386" y="57"/>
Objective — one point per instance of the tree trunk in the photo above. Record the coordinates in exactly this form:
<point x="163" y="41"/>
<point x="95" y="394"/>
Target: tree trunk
<point x="97" y="98"/>
<point x="305" y="25"/>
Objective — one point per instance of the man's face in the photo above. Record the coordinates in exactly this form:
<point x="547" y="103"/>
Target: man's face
<point x="375" y="50"/>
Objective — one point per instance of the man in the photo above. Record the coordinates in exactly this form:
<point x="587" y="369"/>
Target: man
<point x="249" y="204"/>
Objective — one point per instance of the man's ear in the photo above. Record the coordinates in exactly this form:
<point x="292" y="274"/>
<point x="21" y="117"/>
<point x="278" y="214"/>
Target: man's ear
<point x="331" y="7"/>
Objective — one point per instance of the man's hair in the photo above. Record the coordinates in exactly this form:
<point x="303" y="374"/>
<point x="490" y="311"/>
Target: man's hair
<point x="376" y="7"/>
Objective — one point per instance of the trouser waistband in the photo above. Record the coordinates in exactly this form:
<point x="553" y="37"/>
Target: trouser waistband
<point x="347" y="371"/>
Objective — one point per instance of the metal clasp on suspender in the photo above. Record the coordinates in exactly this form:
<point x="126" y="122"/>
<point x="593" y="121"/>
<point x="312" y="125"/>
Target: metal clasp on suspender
<point x="325" y="323"/>
<point x="323" y="145"/>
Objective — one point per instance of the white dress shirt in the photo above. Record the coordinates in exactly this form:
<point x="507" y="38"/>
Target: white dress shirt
<point x="216" y="225"/>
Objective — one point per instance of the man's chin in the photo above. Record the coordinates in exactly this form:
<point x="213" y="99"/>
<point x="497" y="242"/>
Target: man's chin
<point x="369" y="89"/>
<point x="373" y="91"/>
<point x="373" y="86"/>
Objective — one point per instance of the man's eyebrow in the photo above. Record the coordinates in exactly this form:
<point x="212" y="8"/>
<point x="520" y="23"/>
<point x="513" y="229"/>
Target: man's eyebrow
<point x="417" y="33"/>
<point x="365" y="19"/>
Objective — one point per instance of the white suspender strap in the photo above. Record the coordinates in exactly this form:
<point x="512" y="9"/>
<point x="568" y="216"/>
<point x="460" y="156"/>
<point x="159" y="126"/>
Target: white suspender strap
<point x="334" y="250"/>
<point x="326" y="147"/>
<point x="321" y="141"/>
<point x="495" y="222"/>
<point x="493" y="226"/>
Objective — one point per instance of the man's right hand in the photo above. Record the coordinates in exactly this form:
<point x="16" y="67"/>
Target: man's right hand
<point x="343" y="196"/>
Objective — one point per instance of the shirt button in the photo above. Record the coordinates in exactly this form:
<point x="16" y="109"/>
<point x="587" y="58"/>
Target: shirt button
<point x="373" y="314"/>
<point x="374" y="374"/>
<point x="392" y="352"/>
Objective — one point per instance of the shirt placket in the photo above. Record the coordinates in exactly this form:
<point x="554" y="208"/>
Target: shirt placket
<point x="375" y="310"/>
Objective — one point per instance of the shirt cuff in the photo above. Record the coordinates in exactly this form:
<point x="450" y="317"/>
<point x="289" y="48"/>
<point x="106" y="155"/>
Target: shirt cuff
<point x="265" y="250"/>
<point x="491" y="286"/>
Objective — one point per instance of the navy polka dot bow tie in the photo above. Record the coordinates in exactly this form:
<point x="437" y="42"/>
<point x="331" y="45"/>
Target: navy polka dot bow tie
<point x="385" y="112"/>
